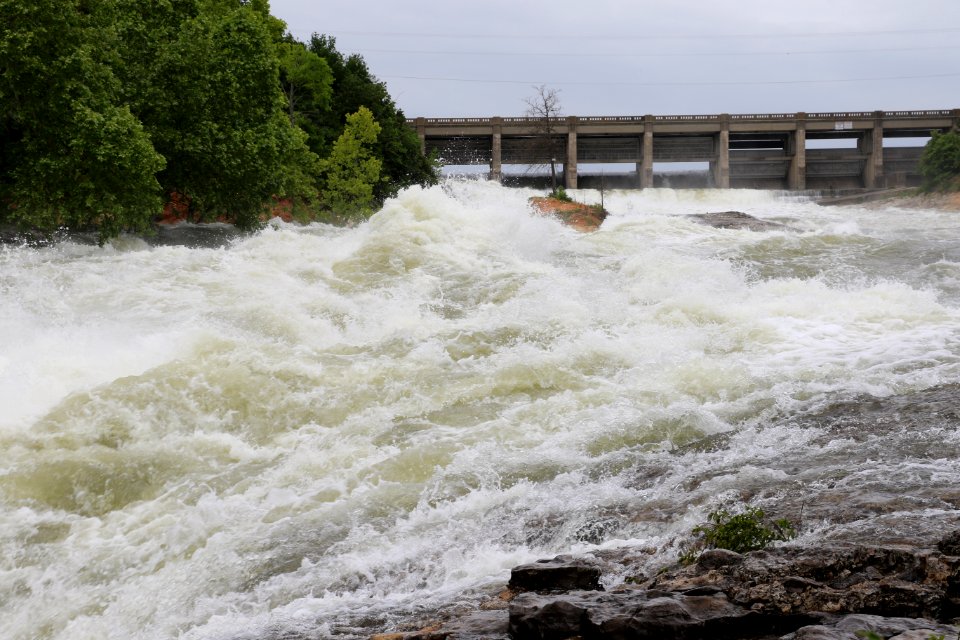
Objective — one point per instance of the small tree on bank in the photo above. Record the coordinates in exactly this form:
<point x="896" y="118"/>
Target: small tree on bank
<point x="352" y="171"/>
<point x="544" y="106"/>
<point x="940" y="162"/>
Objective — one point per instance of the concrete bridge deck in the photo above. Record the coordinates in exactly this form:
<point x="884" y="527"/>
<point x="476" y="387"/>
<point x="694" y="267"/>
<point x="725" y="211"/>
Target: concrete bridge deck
<point x="744" y="150"/>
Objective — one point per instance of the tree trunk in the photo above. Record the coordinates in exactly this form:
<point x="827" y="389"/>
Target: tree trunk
<point x="290" y="106"/>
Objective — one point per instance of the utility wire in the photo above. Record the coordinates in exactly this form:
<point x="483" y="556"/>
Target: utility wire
<point x="708" y="83"/>
<point x="700" y="54"/>
<point x="581" y="37"/>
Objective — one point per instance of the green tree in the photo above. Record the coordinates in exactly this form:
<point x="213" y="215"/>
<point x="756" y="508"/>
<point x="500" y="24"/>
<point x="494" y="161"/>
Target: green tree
<point x="940" y="162"/>
<point x="351" y="171"/>
<point x="207" y="89"/>
<point x="73" y="154"/>
<point x="306" y="80"/>
<point x="397" y="145"/>
<point x="109" y="106"/>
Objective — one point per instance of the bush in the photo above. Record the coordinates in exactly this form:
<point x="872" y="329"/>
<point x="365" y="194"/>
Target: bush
<point x="940" y="162"/>
<point x="741" y="532"/>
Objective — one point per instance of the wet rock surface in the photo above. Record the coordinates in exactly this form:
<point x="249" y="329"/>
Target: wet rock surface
<point x="208" y="236"/>
<point x="11" y="235"/>
<point x="183" y="234"/>
<point x="736" y="220"/>
<point x="793" y="593"/>
<point x="563" y="573"/>
<point x="848" y="627"/>
<point x="842" y="579"/>
<point x="580" y="216"/>
<point x="643" y="614"/>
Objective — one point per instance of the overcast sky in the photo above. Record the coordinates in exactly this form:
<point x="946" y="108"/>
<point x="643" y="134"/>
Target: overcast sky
<point x="614" y="57"/>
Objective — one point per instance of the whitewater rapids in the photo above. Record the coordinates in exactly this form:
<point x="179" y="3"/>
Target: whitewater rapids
<point x="317" y="432"/>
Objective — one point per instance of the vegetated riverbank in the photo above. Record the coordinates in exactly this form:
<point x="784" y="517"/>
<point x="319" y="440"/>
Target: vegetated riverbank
<point x="176" y="226"/>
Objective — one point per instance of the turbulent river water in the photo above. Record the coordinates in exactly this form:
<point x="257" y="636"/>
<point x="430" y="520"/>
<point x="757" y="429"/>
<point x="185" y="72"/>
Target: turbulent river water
<point x="318" y="432"/>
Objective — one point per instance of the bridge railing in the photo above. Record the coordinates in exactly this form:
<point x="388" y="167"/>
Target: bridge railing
<point x="451" y="120"/>
<point x="940" y="113"/>
<point x="612" y="119"/>
<point x="739" y="117"/>
<point x="776" y="117"/>
<point x="528" y="120"/>
<point x="842" y="115"/>
<point x="690" y="118"/>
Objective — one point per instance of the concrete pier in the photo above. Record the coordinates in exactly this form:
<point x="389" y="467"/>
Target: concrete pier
<point x="720" y="168"/>
<point x="797" y="151"/>
<point x="496" y="165"/>
<point x="646" y="159"/>
<point x="570" y="166"/>
<point x="871" y="145"/>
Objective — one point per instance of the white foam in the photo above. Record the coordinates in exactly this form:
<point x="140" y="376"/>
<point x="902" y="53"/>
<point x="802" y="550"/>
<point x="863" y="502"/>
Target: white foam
<point x="313" y="427"/>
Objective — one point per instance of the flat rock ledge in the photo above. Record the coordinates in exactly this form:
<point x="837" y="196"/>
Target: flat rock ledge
<point x="788" y="593"/>
<point x="736" y="220"/>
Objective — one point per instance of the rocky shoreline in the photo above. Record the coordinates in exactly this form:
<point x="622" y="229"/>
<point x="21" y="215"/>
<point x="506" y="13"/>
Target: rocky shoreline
<point x="833" y="592"/>
<point x="939" y="201"/>
<point x="898" y="577"/>
<point x="904" y="198"/>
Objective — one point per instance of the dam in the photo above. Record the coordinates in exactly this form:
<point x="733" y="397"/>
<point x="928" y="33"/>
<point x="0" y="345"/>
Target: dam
<point x="795" y="151"/>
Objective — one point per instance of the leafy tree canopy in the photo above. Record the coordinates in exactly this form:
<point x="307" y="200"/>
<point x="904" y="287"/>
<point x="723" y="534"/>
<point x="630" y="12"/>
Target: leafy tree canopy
<point x="307" y="80"/>
<point x="398" y="145"/>
<point x="214" y="108"/>
<point x="940" y="162"/>
<point x="73" y="153"/>
<point x="110" y="107"/>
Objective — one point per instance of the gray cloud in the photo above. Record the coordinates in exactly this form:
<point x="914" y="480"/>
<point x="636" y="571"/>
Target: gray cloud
<point x="609" y="57"/>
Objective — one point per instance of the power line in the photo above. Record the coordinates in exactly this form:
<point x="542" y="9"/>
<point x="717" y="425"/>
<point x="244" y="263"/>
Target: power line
<point x="708" y="83"/>
<point x="700" y="54"/>
<point x="643" y="37"/>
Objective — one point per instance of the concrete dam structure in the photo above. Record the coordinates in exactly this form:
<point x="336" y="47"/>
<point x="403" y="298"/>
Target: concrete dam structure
<point x="761" y="151"/>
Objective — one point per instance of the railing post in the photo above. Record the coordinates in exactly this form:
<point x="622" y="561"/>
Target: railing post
<point x="570" y="166"/>
<point x="496" y="172"/>
<point x="646" y="157"/>
<point x="797" y="178"/>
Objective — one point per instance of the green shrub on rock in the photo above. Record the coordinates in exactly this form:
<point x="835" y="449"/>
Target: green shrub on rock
<point x="738" y="532"/>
